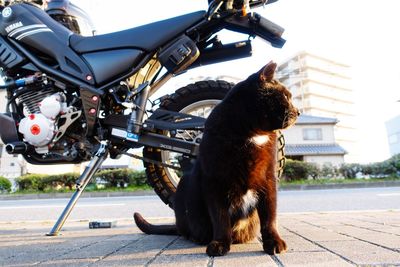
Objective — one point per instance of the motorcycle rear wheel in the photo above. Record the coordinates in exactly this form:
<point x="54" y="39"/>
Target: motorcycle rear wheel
<point x="197" y="99"/>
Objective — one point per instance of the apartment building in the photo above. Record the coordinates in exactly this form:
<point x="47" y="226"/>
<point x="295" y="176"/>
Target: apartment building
<point x="322" y="87"/>
<point x="393" y="134"/>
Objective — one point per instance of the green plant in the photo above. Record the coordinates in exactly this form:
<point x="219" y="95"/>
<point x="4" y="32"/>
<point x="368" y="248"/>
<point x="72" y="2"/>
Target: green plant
<point x="329" y="171"/>
<point x="5" y="185"/>
<point x="31" y="182"/>
<point x="350" y="170"/>
<point x="387" y="168"/>
<point x="114" y="178"/>
<point x="137" y="178"/>
<point x="313" y="171"/>
<point x="298" y="170"/>
<point x="117" y="178"/>
<point x="64" y="181"/>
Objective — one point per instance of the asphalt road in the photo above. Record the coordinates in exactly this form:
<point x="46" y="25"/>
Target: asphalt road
<point x="117" y="208"/>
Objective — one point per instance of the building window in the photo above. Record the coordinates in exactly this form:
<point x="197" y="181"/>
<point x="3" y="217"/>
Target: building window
<point x="12" y="164"/>
<point x="1" y="150"/>
<point x="314" y="134"/>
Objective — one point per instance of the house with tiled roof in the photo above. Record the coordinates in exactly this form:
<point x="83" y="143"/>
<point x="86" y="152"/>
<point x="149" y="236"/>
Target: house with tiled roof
<point x="312" y="139"/>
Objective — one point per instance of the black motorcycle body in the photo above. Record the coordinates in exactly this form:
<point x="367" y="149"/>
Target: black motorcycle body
<point x="67" y="93"/>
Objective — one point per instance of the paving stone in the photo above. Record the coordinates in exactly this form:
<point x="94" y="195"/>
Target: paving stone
<point x="317" y="259"/>
<point x="349" y="230"/>
<point x="181" y="260"/>
<point x="68" y="262"/>
<point x="375" y="236"/>
<point x="298" y="244"/>
<point x="182" y="253"/>
<point x="318" y="234"/>
<point x="362" y="252"/>
<point x="138" y="253"/>
<point x="282" y="231"/>
<point x="383" y="218"/>
<point x="387" y="229"/>
<point x="314" y="239"/>
<point x="250" y="254"/>
<point x="382" y="239"/>
<point x="184" y="246"/>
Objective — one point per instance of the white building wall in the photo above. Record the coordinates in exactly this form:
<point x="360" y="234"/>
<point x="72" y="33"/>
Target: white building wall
<point x="315" y="74"/>
<point x="10" y="166"/>
<point x="332" y="105"/>
<point x="294" y="135"/>
<point x="327" y="65"/>
<point x="324" y="90"/>
<point x="325" y="159"/>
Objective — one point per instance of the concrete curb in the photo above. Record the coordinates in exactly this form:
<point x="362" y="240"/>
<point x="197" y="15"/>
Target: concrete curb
<point x="341" y="186"/>
<point x="68" y="195"/>
<point x="150" y="192"/>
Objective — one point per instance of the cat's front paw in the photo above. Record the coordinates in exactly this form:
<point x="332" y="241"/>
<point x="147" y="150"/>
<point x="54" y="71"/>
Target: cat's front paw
<point x="274" y="245"/>
<point x="217" y="248"/>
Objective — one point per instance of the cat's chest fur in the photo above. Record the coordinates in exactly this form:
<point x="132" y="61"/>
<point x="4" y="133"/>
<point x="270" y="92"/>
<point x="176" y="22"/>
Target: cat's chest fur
<point x="245" y="203"/>
<point x="259" y="157"/>
<point x="259" y="140"/>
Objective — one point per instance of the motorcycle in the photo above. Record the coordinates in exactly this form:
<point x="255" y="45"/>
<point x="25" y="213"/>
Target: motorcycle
<point x="74" y="98"/>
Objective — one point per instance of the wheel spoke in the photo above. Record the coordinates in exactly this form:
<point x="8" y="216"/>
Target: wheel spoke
<point x="201" y="109"/>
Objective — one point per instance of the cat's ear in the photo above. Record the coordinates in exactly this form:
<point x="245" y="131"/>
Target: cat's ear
<point x="266" y="74"/>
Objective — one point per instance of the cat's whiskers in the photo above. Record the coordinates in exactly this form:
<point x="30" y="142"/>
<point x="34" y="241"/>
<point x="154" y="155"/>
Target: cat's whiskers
<point x="285" y="119"/>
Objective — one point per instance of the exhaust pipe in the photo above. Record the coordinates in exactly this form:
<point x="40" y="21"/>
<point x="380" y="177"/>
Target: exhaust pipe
<point x="16" y="148"/>
<point x="223" y="52"/>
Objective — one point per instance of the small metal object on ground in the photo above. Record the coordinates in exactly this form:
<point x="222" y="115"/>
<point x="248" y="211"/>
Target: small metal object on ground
<point x="102" y="224"/>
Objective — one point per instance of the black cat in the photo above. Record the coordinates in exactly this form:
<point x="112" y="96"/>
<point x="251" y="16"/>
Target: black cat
<point x="231" y="192"/>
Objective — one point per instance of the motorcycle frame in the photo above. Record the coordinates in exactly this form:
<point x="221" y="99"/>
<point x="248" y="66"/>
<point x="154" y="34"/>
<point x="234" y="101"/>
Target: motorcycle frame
<point x="251" y="24"/>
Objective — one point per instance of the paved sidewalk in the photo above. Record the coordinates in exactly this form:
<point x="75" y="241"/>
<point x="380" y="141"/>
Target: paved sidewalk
<point x="314" y="239"/>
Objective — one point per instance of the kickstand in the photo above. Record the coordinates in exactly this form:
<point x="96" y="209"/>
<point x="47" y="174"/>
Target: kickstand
<point x="81" y="184"/>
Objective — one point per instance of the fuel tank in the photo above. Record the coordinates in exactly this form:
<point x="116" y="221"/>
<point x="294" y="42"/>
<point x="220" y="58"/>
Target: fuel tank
<point x="40" y="34"/>
<point x="71" y="16"/>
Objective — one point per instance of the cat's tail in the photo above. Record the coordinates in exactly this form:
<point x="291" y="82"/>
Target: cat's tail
<point x="152" y="229"/>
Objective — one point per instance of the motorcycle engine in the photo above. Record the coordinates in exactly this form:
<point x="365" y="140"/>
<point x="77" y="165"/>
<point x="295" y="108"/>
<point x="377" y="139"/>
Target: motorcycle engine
<point x="47" y="116"/>
<point x="39" y="128"/>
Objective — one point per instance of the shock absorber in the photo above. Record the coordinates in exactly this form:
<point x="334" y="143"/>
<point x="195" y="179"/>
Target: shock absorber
<point x="135" y="121"/>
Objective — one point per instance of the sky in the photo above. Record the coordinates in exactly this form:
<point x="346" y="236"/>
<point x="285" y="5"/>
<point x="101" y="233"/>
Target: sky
<point x="361" y="33"/>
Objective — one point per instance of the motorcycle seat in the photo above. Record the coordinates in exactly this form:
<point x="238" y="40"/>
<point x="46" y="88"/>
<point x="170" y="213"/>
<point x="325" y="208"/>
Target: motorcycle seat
<point x="147" y="37"/>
